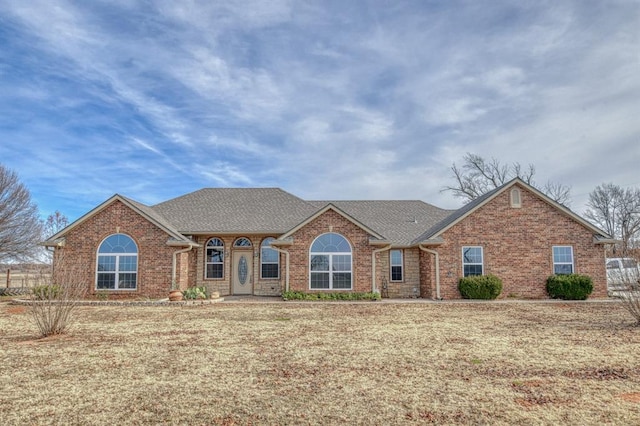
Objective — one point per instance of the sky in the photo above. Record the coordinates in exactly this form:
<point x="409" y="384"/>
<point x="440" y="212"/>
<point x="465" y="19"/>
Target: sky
<point x="324" y="99"/>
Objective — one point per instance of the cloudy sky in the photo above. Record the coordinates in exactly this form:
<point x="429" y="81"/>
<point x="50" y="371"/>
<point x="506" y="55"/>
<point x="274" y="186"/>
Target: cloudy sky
<point x="325" y="99"/>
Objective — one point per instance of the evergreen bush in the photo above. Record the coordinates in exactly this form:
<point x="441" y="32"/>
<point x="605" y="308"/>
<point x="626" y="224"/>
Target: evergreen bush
<point x="485" y="287"/>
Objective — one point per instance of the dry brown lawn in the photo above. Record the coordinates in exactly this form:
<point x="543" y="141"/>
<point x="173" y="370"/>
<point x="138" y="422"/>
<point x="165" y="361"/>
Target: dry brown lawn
<point x="363" y="363"/>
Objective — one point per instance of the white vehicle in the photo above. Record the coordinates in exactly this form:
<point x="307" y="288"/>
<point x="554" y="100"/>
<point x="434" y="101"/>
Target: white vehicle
<point x="622" y="272"/>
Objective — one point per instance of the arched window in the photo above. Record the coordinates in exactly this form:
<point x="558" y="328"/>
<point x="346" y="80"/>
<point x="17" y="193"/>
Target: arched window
<point x="330" y="263"/>
<point x="117" y="266"/>
<point x="269" y="260"/>
<point x="242" y="242"/>
<point x="214" y="261"/>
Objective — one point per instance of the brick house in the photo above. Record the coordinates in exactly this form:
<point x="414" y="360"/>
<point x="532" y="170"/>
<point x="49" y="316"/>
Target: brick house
<point x="263" y="241"/>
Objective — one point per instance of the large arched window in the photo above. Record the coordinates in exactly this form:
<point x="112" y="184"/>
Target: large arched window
<point x="269" y="260"/>
<point x="117" y="263"/>
<point x="214" y="262"/>
<point x="330" y="263"/>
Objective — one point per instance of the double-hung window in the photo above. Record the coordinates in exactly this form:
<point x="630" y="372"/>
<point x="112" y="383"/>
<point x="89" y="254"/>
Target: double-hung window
<point x="472" y="261"/>
<point x="117" y="266"/>
<point x="330" y="263"/>
<point x="214" y="261"/>
<point x="269" y="260"/>
<point x="562" y="260"/>
<point x="397" y="273"/>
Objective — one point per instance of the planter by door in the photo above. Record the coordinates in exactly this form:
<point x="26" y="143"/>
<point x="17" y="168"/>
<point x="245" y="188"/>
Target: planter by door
<point x="175" y="295"/>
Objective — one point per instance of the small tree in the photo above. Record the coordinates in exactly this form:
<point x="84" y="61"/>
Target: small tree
<point x="57" y="296"/>
<point x="20" y="227"/>
<point x="478" y="176"/>
<point x="617" y="211"/>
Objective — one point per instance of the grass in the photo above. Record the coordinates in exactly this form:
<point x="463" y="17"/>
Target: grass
<point x="346" y="363"/>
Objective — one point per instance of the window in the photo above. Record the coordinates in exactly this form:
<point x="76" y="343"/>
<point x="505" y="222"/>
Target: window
<point x="214" y="261"/>
<point x="117" y="266"/>
<point x="269" y="260"/>
<point x="330" y="263"/>
<point x="515" y="198"/>
<point x="562" y="260"/>
<point x="396" y="265"/>
<point x="242" y="242"/>
<point x="472" y="261"/>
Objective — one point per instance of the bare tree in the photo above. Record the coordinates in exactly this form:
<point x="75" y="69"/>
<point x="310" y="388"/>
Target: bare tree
<point x="55" y="223"/>
<point x="477" y="176"/>
<point x="57" y="296"/>
<point x="617" y="211"/>
<point x="20" y="227"/>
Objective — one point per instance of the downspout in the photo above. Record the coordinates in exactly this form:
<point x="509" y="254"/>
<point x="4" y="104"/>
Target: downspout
<point x="435" y="253"/>
<point x="373" y="263"/>
<point x="286" y="274"/>
<point x="175" y="261"/>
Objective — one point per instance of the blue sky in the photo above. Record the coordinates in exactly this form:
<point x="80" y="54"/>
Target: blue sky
<point x="325" y="99"/>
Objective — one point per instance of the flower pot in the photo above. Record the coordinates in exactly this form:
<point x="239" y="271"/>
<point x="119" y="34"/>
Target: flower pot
<point x="175" y="295"/>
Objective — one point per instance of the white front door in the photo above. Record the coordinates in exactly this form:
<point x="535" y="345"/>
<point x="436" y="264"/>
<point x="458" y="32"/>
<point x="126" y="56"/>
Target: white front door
<point x="242" y="273"/>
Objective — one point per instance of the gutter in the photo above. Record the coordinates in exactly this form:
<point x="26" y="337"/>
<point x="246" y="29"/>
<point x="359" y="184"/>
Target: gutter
<point x="373" y="263"/>
<point x="286" y="274"/>
<point x="435" y="253"/>
<point x="175" y="261"/>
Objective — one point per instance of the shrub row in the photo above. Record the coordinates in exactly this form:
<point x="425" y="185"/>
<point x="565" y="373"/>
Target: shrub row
<point x="298" y="295"/>
<point x="193" y="293"/>
<point x="485" y="287"/>
<point x="569" y="287"/>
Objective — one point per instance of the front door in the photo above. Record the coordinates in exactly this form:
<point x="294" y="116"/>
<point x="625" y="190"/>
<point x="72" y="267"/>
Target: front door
<point x="242" y="272"/>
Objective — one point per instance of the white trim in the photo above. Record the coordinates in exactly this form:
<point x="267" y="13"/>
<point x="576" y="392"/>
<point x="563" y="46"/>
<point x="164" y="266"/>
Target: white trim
<point x="554" y="263"/>
<point x="116" y="272"/>
<point x="472" y="263"/>
<point x="331" y="271"/>
<point x="206" y="263"/>
<point x="401" y="265"/>
<point x="515" y="197"/>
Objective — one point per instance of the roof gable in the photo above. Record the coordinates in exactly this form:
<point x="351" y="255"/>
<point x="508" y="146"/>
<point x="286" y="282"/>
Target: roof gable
<point x="457" y="216"/>
<point x="322" y="211"/>
<point x="141" y="209"/>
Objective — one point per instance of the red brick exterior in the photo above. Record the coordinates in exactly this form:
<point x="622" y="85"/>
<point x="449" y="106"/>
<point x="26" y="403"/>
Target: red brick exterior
<point x="517" y="245"/>
<point x="154" y="256"/>
<point x="330" y="221"/>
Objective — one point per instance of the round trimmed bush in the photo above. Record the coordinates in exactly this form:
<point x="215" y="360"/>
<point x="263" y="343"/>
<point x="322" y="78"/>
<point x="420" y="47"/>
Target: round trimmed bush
<point x="485" y="287"/>
<point x="569" y="287"/>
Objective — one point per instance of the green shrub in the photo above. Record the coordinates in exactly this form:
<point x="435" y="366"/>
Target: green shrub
<point x="299" y="295"/>
<point x="47" y="292"/>
<point x="569" y="287"/>
<point x="193" y="293"/>
<point x="486" y="287"/>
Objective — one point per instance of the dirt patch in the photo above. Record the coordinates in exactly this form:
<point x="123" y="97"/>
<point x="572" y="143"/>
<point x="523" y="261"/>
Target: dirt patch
<point x="16" y="309"/>
<point x="631" y="397"/>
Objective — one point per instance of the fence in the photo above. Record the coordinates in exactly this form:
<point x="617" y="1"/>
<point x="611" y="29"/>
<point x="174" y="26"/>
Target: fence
<point x="19" y="278"/>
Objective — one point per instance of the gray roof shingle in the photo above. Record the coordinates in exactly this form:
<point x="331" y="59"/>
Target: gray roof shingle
<point x="235" y="210"/>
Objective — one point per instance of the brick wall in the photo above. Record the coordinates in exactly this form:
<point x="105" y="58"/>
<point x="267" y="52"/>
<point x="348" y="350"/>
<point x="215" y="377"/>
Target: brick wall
<point x="154" y="256"/>
<point x="330" y="221"/>
<point x="410" y="285"/>
<point x="261" y="286"/>
<point x="517" y="245"/>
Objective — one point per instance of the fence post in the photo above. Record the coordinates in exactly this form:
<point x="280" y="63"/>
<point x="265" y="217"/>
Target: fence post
<point x="8" y="277"/>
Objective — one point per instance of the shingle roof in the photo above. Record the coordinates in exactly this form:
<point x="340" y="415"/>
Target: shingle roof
<point x="399" y="221"/>
<point x="235" y="210"/>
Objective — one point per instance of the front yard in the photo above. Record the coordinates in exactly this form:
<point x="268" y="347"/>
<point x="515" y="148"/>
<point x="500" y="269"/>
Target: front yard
<point x="367" y="363"/>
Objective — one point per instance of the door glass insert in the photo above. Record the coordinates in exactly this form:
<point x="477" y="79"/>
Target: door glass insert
<point x="242" y="270"/>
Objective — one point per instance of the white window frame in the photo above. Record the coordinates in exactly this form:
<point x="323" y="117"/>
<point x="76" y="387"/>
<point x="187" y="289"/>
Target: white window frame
<point x="242" y="242"/>
<point x="116" y="273"/>
<point x="515" y="196"/>
<point x="330" y="271"/>
<point x="262" y="262"/>
<point x="481" y="263"/>
<point x="572" y="263"/>
<point x="206" y="258"/>
<point x="392" y="265"/>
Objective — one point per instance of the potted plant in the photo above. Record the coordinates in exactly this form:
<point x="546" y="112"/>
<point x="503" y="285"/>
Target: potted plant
<point x="175" y="294"/>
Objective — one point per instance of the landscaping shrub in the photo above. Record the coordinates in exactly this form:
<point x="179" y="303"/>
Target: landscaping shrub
<point x="486" y="287"/>
<point x="298" y="295"/>
<point x="46" y="292"/>
<point x="569" y="287"/>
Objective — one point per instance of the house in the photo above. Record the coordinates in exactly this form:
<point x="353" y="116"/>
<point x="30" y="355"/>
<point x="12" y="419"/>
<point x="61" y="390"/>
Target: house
<point x="263" y="241"/>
